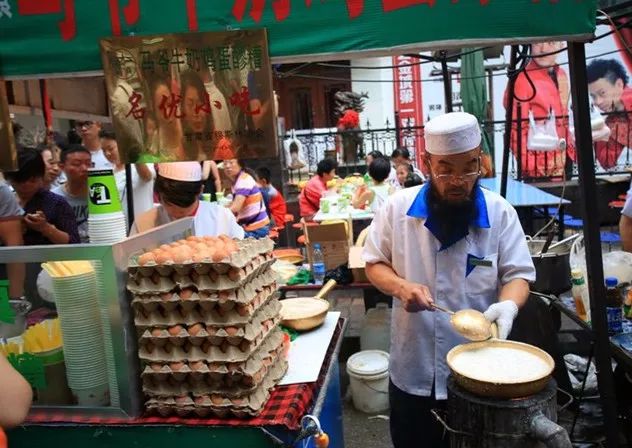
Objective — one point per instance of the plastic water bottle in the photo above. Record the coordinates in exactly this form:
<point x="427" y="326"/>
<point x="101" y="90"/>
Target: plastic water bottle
<point x="580" y="295"/>
<point x="318" y="265"/>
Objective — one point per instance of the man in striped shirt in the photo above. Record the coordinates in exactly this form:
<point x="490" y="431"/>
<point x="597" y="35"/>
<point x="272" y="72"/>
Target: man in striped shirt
<point x="247" y="205"/>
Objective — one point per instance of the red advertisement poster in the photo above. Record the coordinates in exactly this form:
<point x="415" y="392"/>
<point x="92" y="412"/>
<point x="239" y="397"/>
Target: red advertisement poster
<point x="408" y="103"/>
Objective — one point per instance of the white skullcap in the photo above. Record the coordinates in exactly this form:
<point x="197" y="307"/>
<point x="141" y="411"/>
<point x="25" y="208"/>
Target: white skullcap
<point x="182" y="171"/>
<point x="453" y="133"/>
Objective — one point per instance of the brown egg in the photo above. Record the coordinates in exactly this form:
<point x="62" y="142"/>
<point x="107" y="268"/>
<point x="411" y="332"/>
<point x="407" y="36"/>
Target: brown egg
<point x="223" y="296"/>
<point x="176" y="366"/>
<point x="192" y="238"/>
<point x="181" y="256"/>
<point x="201" y="256"/>
<point x="219" y="254"/>
<point x="233" y="367"/>
<point x="165" y="247"/>
<point x="211" y="330"/>
<point x="175" y="330"/>
<point x="195" y="329"/>
<point x="232" y="247"/>
<point x="220" y="244"/>
<point x="244" y="346"/>
<point x="234" y="274"/>
<point x="199" y="401"/>
<point x="243" y="310"/>
<point x="155" y="367"/>
<point x="146" y="259"/>
<point x="186" y="293"/>
<point x="182" y="400"/>
<point x="175" y="244"/>
<point x="214" y="276"/>
<point x="166" y="296"/>
<point x="197" y="365"/>
<point x="150" y="347"/>
<point x="237" y="401"/>
<point x="165" y="258"/>
<point x="231" y="331"/>
<point x="156" y="332"/>
<point x="155" y="278"/>
<point x="217" y="400"/>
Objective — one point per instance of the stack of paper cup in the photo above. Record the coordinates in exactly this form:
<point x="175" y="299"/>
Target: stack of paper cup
<point x="84" y="351"/>
<point x="104" y="305"/>
<point x="106" y="220"/>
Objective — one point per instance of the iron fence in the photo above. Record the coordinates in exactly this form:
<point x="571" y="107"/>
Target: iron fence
<point x="613" y="156"/>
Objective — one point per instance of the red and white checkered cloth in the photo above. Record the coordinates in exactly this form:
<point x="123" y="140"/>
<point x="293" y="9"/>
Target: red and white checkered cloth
<point x="286" y="406"/>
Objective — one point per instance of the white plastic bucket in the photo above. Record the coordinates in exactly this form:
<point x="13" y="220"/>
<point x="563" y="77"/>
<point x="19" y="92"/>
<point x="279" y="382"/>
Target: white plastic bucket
<point x="368" y="374"/>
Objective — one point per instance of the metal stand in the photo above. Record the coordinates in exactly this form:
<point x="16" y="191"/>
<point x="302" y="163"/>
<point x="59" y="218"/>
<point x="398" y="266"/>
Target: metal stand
<point x="129" y="188"/>
<point x="508" y="120"/>
<point x="594" y="262"/>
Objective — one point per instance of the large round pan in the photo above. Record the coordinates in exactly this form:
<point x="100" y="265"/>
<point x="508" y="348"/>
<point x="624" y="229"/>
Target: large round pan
<point x="306" y="313"/>
<point x="506" y="390"/>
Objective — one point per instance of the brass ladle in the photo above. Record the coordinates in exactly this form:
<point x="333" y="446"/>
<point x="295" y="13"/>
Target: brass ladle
<point x="471" y="324"/>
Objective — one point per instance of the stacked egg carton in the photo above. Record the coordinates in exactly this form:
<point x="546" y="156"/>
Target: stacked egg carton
<point x="208" y="333"/>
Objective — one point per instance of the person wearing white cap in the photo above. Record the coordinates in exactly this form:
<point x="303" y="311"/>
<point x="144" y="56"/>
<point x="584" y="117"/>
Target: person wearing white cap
<point x="178" y="186"/>
<point x="450" y="243"/>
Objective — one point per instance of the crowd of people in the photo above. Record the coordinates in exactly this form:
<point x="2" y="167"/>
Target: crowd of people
<point x="384" y="176"/>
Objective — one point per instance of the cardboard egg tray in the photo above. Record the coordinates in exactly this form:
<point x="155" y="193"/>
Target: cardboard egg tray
<point x="184" y="348"/>
<point x="193" y="372"/>
<point x="249" y="250"/>
<point x="192" y="405"/>
<point x="198" y="332"/>
<point x="201" y="379"/>
<point x="204" y="276"/>
<point x="219" y="310"/>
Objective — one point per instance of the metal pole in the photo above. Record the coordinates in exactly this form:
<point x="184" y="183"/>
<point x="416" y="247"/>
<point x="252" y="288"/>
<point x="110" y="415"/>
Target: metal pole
<point x="519" y="142"/>
<point x="447" y="81"/>
<point x="508" y="120"/>
<point x="398" y="130"/>
<point x="129" y="189"/>
<point x="594" y="262"/>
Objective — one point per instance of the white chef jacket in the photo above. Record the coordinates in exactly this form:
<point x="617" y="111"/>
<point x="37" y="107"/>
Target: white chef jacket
<point x="210" y="219"/>
<point x="468" y="274"/>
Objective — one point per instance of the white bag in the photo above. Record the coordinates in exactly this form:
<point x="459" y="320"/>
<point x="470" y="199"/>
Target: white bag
<point x="543" y="137"/>
<point x="617" y="264"/>
<point x="294" y="157"/>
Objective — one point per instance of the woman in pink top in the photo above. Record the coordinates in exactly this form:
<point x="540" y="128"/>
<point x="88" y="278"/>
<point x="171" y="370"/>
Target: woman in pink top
<point x="309" y="199"/>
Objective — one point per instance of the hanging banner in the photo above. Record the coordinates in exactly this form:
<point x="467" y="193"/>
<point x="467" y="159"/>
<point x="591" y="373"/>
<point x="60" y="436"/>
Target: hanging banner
<point x="61" y="36"/>
<point x="8" y="155"/>
<point x="409" y="104"/>
<point x="193" y="96"/>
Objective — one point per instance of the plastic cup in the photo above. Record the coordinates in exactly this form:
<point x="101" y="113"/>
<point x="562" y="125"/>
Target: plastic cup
<point x="325" y="205"/>
<point x="95" y="396"/>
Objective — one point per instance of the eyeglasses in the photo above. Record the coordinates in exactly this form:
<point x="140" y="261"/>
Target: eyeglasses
<point x="467" y="177"/>
<point x="83" y="124"/>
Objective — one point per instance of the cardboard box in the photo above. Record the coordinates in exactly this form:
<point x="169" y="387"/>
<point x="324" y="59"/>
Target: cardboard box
<point x="357" y="265"/>
<point x="333" y="240"/>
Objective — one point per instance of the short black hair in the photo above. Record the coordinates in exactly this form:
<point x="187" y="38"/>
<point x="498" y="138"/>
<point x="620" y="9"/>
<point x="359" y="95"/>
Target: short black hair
<point x="73" y="137"/>
<point x="412" y="180"/>
<point x="379" y="169"/>
<point x="401" y="152"/>
<point x="410" y="168"/>
<point x="293" y="147"/>
<point x="107" y="134"/>
<point x="30" y="165"/>
<point x="71" y="149"/>
<point x="263" y="172"/>
<point x="326" y="166"/>
<point x="375" y="155"/>
<point x="176" y="192"/>
<point x="609" y="69"/>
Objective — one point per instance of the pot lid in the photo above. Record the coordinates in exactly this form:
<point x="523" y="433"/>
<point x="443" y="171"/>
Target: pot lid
<point x="368" y="362"/>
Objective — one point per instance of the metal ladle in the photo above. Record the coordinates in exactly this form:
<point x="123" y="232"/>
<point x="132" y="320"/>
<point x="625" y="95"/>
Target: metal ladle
<point x="471" y="324"/>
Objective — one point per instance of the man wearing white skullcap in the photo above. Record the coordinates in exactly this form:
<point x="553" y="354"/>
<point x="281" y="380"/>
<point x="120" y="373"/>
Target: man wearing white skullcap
<point x="178" y="186"/>
<point x="449" y="243"/>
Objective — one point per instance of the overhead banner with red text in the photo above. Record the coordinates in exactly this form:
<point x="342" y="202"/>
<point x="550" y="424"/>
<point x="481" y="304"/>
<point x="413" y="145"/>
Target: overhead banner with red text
<point x="61" y="36"/>
<point x="409" y="104"/>
<point x="191" y="96"/>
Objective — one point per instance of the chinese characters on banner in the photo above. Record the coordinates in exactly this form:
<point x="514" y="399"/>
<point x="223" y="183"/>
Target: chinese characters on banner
<point x="8" y="157"/>
<point x="408" y="103"/>
<point x="194" y="96"/>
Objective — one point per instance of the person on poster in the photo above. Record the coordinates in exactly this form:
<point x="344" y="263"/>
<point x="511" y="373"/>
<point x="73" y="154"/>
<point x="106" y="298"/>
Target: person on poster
<point x="449" y="243"/>
<point x="609" y="90"/>
<point x="550" y="91"/>
<point x="167" y="111"/>
<point x="197" y="123"/>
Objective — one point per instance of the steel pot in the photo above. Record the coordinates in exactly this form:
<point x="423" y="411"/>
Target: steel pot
<point x="21" y="309"/>
<point x="553" y="269"/>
